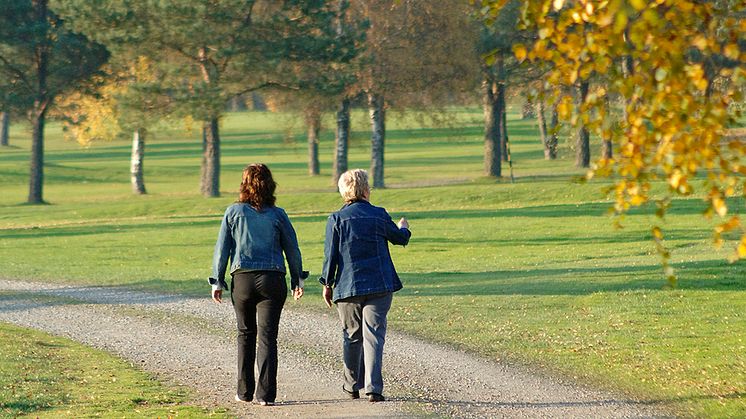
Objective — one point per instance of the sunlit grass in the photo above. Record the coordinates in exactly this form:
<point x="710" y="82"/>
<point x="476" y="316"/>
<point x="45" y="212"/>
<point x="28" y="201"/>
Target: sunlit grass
<point x="50" y="377"/>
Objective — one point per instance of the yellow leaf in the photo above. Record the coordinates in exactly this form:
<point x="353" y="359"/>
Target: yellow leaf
<point x="719" y="205"/>
<point x="731" y="51"/>
<point x="742" y="250"/>
<point x="700" y="42"/>
<point x="639" y="4"/>
<point x="620" y="21"/>
<point x="520" y="52"/>
<point x="657" y="233"/>
<point x="675" y="179"/>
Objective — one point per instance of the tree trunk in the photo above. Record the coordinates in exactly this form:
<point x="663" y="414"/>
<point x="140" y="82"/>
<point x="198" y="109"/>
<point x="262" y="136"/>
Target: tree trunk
<point x="4" y="126"/>
<point x="36" y="176"/>
<point x="38" y="114"/>
<point x="492" y="117"/>
<point x="136" y="166"/>
<point x="210" y="181"/>
<point x="583" y="146"/>
<point x="503" y="120"/>
<point x="527" y="110"/>
<point x="554" y="128"/>
<point x="549" y="152"/>
<point x="606" y="145"/>
<point x="313" y="120"/>
<point x="377" y="139"/>
<point x="341" y="140"/>
<point x="607" y="150"/>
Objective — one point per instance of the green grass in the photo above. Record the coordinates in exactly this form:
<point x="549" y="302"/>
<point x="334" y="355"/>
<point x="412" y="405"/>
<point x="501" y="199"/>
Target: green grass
<point x="47" y="377"/>
<point x="532" y="272"/>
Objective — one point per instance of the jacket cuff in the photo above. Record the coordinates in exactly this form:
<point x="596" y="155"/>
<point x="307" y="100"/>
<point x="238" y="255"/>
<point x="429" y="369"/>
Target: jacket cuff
<point x="323" y="282"/>
<point x="298" y="283"/>
<point x="217" y="283"/>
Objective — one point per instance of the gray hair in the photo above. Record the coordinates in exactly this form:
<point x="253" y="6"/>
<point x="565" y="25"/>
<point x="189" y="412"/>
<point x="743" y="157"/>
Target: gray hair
<point x="353" y="184"/>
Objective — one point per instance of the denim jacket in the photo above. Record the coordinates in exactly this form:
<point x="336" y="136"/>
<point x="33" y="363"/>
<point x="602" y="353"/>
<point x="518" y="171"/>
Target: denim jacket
<point x="356" y="252"/>
<point x="255" y="240"/>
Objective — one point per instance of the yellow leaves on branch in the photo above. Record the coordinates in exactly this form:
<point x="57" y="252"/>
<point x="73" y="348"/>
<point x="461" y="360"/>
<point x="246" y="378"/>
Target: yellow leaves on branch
<point x="95" y="117"/>
<point x="678" y="98"/>
<point x="91" y="118"/>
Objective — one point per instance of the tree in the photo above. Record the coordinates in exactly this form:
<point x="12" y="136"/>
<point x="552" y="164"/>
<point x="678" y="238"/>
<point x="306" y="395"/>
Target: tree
<point x="417" y="54"/>
<point x="548" y="138"/>
<point x="118" y="108"/>
<point x="583" y="144"/>
<point x="683" y="61"/>
<point x="324" y="83"/>
<point x="341" y="139"/>
<point x="40" y="59"/>
<point x="498" y="37"/>
<point x="212" y="51"/>
<point x="313" y="122"/>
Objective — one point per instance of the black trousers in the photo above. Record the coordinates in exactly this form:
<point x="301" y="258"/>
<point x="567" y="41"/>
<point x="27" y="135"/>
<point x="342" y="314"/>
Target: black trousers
<point x="258" y="297"/>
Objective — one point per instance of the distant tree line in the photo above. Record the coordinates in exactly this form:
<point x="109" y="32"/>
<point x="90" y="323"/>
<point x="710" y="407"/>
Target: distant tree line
<point x="109" y="67"/>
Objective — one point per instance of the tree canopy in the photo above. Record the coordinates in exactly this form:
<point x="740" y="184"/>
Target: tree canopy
<point x="40" y="59"/>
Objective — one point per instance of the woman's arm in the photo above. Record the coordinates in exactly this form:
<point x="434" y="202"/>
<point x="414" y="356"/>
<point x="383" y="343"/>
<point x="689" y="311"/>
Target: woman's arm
<point x="331" y="254"/>
<point x="224" y="248"/>
<point x="395" y="234"/>
<point x="289" y="243"/>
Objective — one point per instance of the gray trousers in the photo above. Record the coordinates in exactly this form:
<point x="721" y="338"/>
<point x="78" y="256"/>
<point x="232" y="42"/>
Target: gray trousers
<point x="364" y="332"/>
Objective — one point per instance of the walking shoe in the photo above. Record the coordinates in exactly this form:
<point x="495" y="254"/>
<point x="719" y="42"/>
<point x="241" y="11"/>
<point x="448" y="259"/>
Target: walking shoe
<point x="375" y="397"/>
<point x="355" y="394"/>
<point x="239" y="399"/>
<point x="265" y="403"/>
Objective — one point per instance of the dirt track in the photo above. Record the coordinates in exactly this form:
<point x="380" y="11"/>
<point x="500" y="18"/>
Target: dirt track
<point x="190" y="342"/>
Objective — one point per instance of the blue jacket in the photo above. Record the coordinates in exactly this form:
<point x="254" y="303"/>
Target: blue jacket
<point x="356" y="252"/>
<point x="255" y="240"/>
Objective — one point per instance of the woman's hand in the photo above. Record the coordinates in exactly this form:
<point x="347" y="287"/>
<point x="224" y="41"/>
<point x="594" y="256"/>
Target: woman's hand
<point x="217" y="296"/>
<point x="403" y="223"/>
<point x="297" y="293"/>
<point x="326" y="292"/>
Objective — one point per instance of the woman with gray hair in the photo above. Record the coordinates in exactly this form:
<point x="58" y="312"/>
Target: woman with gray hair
<point x="359" y="277"/>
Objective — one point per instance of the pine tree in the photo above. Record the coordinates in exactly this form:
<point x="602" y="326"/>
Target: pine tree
<point x="40" y="59"/>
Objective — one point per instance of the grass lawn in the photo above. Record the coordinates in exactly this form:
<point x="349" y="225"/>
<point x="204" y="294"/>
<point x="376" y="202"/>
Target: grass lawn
<point x="49" y="377"/>
<point x="532" y="272"/>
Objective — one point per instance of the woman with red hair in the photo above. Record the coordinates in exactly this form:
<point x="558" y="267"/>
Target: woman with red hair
<point x="254" y="234"/>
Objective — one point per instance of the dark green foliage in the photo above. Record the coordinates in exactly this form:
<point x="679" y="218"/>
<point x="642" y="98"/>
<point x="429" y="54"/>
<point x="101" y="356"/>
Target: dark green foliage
<point x="71" y="58"/>
<point x="209" y="52"/>
<point x="40" y="58"/>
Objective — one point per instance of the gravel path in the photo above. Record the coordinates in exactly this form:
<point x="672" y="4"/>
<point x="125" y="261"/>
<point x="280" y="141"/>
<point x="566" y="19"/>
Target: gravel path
<point x="190" y="341"/>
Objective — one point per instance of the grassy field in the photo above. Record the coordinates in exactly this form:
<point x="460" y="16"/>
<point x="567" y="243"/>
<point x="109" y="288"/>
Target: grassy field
<point x="532" y="272"/>
<point x="52" y="377"/>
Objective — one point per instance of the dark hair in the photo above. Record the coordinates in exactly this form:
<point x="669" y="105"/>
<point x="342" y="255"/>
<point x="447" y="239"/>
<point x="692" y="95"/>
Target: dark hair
<point x="257" y="186"/>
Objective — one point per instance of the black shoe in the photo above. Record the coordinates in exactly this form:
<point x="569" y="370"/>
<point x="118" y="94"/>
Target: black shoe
<point x="375" y="397"/>
<point x="355" y="394"/>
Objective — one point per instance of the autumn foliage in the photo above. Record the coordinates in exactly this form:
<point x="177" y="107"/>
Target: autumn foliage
<point x="676" y="70"/>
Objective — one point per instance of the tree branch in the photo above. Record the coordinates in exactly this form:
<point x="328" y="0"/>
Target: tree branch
<point x="267" y="84"/>
<point x="20" y="74"/>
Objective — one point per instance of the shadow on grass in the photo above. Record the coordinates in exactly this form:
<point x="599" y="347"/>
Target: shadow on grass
<point x="27" y="406"/>
<point x="586" y="209"/>
<point x="574" y="281"/>
<point x="70" y="231"/>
